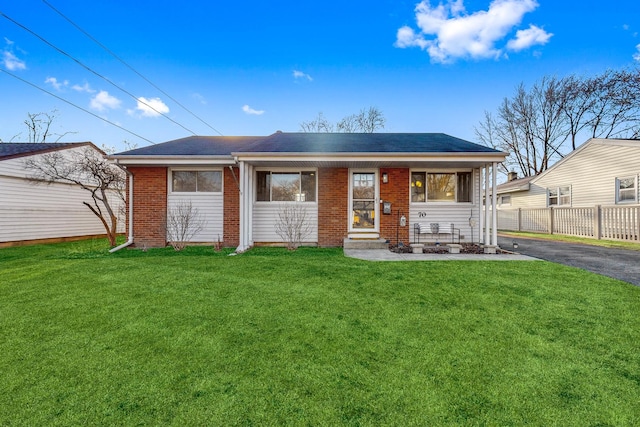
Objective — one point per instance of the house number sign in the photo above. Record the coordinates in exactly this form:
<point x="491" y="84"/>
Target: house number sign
<point x="422" y="214"/>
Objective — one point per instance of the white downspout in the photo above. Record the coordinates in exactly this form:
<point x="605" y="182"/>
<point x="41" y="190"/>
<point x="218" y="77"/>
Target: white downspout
<point x="130" y="200"/>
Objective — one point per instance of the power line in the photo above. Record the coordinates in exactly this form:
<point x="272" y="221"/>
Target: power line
<point x="128" y="66"/>
<point x="93" y="71"/>
<point x="74" y="105"/>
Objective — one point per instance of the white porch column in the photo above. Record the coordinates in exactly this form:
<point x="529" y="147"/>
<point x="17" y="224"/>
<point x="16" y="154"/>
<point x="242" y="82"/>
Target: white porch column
<point x="245" y="207"/>
<point x="487" y="217"/>
<point x="494" y="204"/>
<point x="480" y="222"/>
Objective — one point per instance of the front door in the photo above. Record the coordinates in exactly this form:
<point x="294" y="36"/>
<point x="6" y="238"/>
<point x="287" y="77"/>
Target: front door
<point x="364" y="194"/>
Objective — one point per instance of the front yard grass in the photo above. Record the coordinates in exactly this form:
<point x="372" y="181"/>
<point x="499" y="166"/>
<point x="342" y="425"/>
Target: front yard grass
<point x="272" y="337"/>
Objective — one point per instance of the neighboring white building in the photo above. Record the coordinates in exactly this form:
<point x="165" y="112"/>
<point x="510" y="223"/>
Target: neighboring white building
<point x="31" y="212"/>
<point x="600" y="172"/>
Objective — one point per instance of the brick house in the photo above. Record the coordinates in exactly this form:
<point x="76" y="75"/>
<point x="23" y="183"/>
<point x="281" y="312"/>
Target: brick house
<point x="351" y="186"/>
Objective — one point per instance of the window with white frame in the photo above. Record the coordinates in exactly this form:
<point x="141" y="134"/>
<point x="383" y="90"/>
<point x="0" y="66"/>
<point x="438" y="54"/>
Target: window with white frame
<point x="505" y="200"/>
<point x="559" y="196"/>
<point x="286" y="186"/>
<point x="627" y="190"/>
<point x="196" y="181"/>
<point x="440" y="187"/>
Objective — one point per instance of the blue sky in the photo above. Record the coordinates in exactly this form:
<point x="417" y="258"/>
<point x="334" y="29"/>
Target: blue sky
<point x="255" y="67"/>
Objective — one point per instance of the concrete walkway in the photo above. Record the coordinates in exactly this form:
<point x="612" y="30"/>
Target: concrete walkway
<point x="619" y="264"/>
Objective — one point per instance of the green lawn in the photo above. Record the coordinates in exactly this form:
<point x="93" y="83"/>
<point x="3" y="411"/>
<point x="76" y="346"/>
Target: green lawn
<point x="310" y="337"/>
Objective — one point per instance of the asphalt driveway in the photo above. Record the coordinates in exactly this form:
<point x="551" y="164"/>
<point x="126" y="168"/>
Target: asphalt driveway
<point x="619" y="264"/>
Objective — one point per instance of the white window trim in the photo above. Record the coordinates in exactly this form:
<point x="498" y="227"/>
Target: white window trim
<point x="283" y="170"/>
<point x="193" y="193"/>
<point x="557" y="188"/>
<point x="635" y="190"/>
<point x="443" y="202"/>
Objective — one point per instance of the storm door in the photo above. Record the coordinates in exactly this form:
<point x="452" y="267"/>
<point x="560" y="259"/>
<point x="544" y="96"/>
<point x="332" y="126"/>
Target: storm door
<point x="364" y="202"/>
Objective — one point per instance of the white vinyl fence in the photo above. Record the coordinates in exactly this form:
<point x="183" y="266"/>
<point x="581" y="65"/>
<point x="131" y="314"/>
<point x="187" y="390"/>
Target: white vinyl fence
<point x="598" y="222"/>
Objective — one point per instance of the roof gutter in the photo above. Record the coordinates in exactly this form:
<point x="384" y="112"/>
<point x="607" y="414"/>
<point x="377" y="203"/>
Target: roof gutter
<point x="130" y="200"/>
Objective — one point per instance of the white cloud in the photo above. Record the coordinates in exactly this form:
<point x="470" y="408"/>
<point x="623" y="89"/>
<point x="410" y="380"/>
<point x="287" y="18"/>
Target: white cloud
<point x="300" y="75"/>
<point x="448" y="32"/>
<point x="529" y="37"/>
<point x="151" y="107"/>
<point x="84" y="88"/>
<point x="251" y="111"/>
<point x="103" y="101"/>
<point x="636" y="55"/>
<point x="56" y="84"/>
<point x="12" y="62"/>
<point x="201" y="99"/>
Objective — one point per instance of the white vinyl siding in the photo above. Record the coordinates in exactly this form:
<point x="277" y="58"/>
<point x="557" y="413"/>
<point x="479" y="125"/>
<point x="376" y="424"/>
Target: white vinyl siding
<point x="446" y="214"/>
<point x="265" y="215"/>
<point x="210" y="207"/>
<point x="591" y="173"/>
<point x="34" y="212"/>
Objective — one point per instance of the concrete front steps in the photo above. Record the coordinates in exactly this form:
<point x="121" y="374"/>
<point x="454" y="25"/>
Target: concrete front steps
<point x="365" y="244"/>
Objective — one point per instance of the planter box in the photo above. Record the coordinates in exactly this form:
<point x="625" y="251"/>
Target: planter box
<point x="454" y="248"/>
<point x="417" y="248"/>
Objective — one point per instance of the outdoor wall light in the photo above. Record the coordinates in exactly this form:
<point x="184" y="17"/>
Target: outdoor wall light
<point x="385" y="177"/>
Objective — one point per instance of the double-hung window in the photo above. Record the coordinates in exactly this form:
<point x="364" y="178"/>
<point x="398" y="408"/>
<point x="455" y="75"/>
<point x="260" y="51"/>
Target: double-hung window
<point x="559" y="196"/>
<point x="276" y="186"/>
<point x="627" y="190"/>
<point x="196" y="181"/>
<point x="440" y="187"/>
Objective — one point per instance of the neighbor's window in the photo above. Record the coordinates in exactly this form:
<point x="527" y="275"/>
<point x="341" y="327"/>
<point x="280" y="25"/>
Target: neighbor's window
<point x="559" y="196"/>
<point x="626" y="190"/>
<point x="441" y="187"/>
<point x="196" y="181"/>
<point x="286" y="186"/>
<point x="505" y="200"/>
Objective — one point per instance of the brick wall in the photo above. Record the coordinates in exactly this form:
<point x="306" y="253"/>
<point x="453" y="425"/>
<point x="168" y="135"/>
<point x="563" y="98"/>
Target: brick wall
<point x="333" y="206"/>
<point x="149" y="206"/>
<point x="395" y="191"/>
<point x="231" y="208"/>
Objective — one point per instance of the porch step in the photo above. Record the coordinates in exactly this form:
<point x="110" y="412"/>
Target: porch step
<point x="365" y="244"/>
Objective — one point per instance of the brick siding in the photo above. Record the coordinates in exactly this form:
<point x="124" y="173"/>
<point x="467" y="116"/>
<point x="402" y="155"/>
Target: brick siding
<point x="149" y="206"/>
<point x="231" y="222"/>
<point x="333" y="206"/>
<point x="395" y="191"/>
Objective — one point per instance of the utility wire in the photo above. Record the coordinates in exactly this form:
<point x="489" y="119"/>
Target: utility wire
<point x="92" y="71"/>
<point x="128" y="66"/>
<point x="74" y="105"/>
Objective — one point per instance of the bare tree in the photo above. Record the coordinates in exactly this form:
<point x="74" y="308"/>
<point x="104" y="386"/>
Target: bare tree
<point x="183" y="222"/>
<point x="89" y="170"/>
<point x="367" y="121"/>
<point x="370" y="120"/>
<point x="292" y="225"/>
<point x="319" y="124"/>
<point x="539" y="126"/>
<point x="528" y="126"/>
<point x="39" y="127"/>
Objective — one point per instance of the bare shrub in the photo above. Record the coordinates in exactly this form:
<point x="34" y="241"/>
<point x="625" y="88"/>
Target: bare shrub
<point x="292" y="225"/>
<point x="183" y="222"/>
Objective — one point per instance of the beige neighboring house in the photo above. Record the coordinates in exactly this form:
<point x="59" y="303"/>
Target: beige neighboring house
<point x="31" y="213"/>
<point x="600" y="172"/>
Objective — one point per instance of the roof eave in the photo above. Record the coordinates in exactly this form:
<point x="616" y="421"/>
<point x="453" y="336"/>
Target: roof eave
<point x="172" y="160"/>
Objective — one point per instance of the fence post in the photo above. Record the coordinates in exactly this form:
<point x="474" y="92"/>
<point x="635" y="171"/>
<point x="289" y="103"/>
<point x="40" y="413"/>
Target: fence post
<point x="550" y="220"/>
<point x="519" y="219"/>
<point x="597" y="222"/>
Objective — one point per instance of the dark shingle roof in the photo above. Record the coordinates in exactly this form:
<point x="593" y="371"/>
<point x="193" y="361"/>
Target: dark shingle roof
<point x="20" y="149"/>
<point x="281" y="142"/>
<point x="365" y="143"/>
<point x="196" y="146"/>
